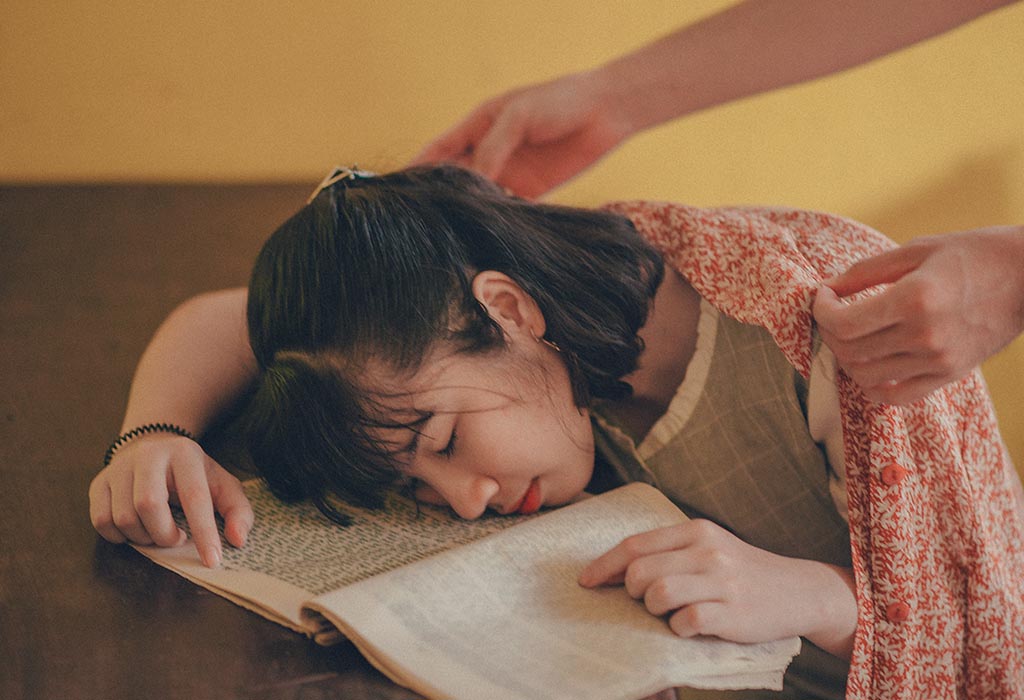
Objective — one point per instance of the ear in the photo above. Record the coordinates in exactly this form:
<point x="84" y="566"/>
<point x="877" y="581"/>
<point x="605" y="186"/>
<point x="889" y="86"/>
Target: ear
<point x="508" y="304"/>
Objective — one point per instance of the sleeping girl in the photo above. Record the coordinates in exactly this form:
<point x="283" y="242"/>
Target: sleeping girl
<point x="425" y="331"/>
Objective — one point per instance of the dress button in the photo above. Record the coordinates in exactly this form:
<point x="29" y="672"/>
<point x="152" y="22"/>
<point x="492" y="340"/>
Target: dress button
<point x="893" y="474"/>
<point x="897" y="612"/>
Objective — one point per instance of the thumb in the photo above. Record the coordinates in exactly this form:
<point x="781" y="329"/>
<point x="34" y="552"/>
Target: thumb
<point x="880" y="269"/>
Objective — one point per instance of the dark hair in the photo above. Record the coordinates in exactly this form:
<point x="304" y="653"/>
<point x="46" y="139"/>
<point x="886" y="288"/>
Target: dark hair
<point x="381" y="268"/>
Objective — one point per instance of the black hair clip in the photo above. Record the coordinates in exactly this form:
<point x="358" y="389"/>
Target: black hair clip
<point x="338" y="174"/>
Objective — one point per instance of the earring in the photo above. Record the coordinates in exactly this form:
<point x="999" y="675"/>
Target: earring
<point x="551" y="344"/>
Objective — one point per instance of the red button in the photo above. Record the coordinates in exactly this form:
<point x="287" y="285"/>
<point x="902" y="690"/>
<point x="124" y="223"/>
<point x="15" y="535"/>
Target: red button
<point x="893" y="474"/>
<point x="897" y="612"/>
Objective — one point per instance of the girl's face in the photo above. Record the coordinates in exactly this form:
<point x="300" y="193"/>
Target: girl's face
<point x="502" y="431"/>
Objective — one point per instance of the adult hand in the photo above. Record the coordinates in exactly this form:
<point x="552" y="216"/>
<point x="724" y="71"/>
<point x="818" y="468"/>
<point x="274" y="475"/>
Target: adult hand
<point x="532" y="139"/>
<point x="129" y="499"/>
<point x="708" y="581"/>
<point x="954" y="300"/>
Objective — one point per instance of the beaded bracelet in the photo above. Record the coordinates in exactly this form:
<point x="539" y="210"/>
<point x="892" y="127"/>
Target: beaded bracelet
<point x="142" y="430"/>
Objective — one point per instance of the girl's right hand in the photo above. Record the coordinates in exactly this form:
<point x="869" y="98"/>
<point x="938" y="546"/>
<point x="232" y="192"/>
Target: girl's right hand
<point x="129" y="500"/>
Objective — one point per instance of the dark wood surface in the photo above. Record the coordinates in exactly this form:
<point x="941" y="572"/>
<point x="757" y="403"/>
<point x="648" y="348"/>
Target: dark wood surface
<point x="86" y="275"/>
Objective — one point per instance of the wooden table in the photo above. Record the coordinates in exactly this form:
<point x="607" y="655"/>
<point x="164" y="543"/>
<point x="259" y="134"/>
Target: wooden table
<point x="86" y="275"/>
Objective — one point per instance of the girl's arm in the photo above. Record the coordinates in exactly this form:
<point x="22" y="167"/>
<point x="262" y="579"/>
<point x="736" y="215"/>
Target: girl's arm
<point x="708" y="581"/>
<point x="198" y="363"/>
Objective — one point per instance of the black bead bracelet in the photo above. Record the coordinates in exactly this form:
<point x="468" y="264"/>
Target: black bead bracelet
<point x="142" y="430"/>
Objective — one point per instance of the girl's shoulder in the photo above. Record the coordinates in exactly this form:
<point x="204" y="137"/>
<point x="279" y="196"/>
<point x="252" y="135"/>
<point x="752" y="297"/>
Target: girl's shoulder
<point x="813" y="232"/>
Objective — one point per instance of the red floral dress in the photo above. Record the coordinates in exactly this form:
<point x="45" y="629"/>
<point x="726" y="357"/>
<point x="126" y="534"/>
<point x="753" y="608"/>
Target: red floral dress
<point x="936" y="525"/>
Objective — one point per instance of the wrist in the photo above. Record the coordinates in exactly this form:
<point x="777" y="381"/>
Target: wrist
<point x="139" y="431"/>
<point x="613" y="97"/>
<point x="1015" y="242"/>
<point x="997" y="255"/>
<point x="832" y="609"/>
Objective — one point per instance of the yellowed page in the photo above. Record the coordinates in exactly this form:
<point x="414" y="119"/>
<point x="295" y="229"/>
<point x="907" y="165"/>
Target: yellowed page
<point x="294" y="553"/>
<point x="503" y="617"/>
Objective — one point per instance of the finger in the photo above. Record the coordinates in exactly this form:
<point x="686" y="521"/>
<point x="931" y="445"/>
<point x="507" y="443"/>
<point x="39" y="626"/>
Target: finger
<point x="893" y="341"/>
<point x="829" y="312"/>
<point x="896" y="379"/>
<point x="850" y="320"/>
<point x="880" y="269"/>
<point x="907" y="392"/>
<point x="194" y="494"/>
<point x="644" y="571"/>
<point x="447" y="148"/>
<point x="610" y="567"/>
<point x="230" y="501"/>
<point x="678" y="590"/>
<point x="504" y="137"/>
<point x="151" y="501"/>
<point x="122" y="508"/>
<point x="896" y="369"/>
<point x="99" y="511"/>
<point x="699" y="618"/>
<point x="460" y="140"/>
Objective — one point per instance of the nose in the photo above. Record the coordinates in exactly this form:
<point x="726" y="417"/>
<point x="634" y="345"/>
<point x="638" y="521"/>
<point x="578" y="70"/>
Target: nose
<point x="467" y="494"/>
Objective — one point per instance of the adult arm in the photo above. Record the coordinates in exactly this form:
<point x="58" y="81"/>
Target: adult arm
<point x="952" y="301"/>
<point x="535" y="138"/>
<point x="198" y="363"/>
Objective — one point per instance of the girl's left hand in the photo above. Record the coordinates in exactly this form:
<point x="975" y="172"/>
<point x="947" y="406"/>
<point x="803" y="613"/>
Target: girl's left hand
<point x="708" y="581"/>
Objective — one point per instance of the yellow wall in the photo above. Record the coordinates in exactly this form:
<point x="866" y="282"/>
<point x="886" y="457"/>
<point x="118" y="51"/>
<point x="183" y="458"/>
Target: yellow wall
<point x="928" y="140"/>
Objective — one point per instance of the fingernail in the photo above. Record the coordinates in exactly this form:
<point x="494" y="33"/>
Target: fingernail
<point x="211" y="557"/>
<point x="586" y="579"/>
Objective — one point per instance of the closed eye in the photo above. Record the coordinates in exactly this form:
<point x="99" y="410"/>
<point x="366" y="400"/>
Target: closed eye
<point x="449" y="449"/>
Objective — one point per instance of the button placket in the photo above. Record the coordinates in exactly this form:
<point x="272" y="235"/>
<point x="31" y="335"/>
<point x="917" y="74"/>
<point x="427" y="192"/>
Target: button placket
<point x="892" y="475"/>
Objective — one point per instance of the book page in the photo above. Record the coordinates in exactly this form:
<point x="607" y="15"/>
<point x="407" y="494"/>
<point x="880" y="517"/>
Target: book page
<point x="294" y="552"/>
<point x="504" y="617"/>
<point x="296" y="543"/>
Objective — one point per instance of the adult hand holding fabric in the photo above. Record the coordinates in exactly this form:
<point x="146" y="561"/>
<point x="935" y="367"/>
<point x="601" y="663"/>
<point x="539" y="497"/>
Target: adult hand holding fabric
<point x="954" y="300"/>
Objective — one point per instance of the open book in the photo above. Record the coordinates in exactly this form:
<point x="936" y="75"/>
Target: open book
<point x="476" y="609"/>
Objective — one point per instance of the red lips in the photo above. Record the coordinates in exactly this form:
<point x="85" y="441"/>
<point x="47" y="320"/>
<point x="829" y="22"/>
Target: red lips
<point x="531" y="500"/>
